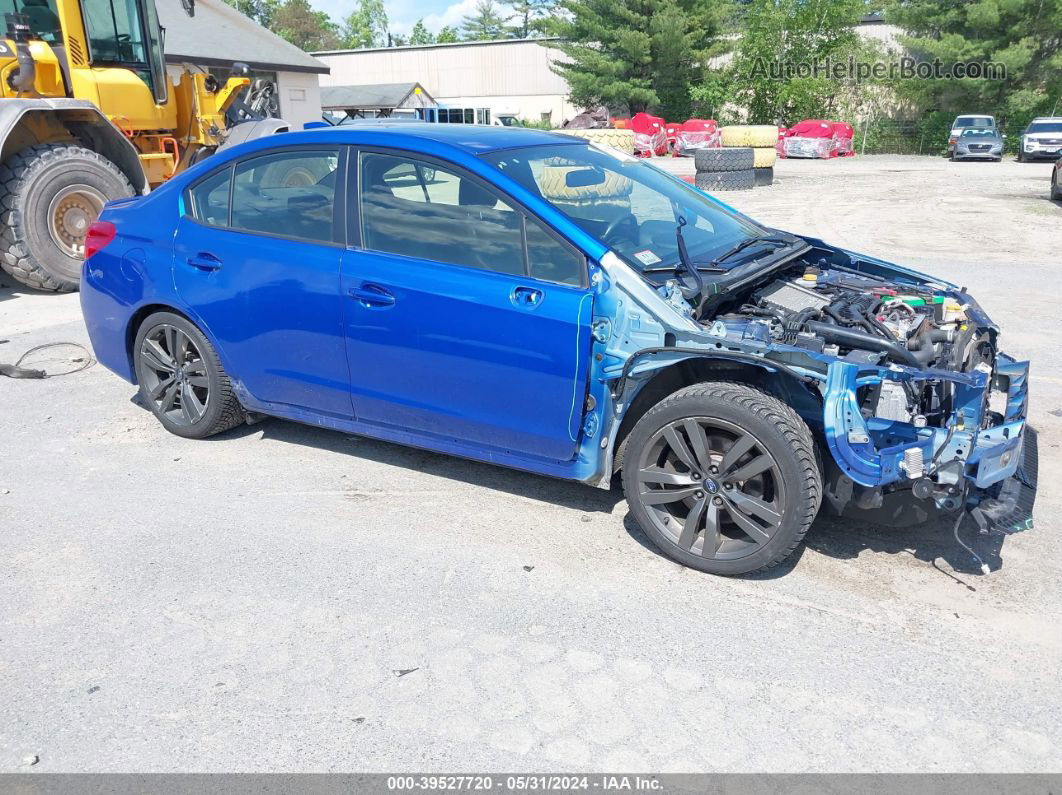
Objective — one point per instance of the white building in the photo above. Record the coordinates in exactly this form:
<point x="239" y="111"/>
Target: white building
<point x="218" y="36"/>
<point x="488" y="78"/>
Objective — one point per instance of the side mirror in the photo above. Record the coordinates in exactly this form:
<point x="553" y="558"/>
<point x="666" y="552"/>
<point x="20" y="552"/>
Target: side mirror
<point x="584" y="177"/>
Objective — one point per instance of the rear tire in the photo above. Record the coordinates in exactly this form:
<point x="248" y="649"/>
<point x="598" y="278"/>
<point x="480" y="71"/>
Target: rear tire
<point x="1056" y="190"/>
<point x="722" y="478"/>
<point x="49" y="194"/>
<point x="181" y="378"/>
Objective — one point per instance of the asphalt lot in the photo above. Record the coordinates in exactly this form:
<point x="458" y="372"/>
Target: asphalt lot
<point x="286" y="598"/>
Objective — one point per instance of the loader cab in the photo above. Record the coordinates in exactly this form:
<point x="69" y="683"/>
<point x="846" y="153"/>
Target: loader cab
<point x="41" y="16"/>
<point x="127" y="34"/>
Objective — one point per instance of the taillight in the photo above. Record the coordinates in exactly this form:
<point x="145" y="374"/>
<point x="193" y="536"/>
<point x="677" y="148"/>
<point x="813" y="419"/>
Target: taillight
<point x="99" y="234"/>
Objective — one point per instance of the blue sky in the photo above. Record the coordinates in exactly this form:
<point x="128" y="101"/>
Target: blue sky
<point x="402" y="14"/>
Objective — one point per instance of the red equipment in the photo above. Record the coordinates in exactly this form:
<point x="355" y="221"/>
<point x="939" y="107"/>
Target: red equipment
<point x="650" y="138"/>
<point x="694" y="134"/>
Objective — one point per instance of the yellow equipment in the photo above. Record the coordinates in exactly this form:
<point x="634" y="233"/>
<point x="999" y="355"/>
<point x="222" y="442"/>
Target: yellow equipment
<point x="89" y="114"/>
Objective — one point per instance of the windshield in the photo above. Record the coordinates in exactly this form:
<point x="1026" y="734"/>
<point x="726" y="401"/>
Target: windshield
<point x="41" y="15"/>
<point x="975" y="121"/>
<point x="627" y="204"/>
<point x="1045" y="127"/>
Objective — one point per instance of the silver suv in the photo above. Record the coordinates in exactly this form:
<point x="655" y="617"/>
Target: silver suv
<point x="1042" y="139"/>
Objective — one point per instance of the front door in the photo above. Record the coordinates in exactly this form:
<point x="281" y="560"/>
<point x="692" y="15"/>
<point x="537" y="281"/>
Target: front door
<point x="466" y="319"/>
<point x="257" y="259"/>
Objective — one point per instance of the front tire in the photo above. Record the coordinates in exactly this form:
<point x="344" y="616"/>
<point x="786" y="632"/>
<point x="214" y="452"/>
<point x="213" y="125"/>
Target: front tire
<point x="181" y="378"/>
<point x="723" y="478"/>
<point x="49" y="195"/>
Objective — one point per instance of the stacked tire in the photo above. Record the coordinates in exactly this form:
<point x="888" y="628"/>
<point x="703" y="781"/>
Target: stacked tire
<point x="617" y="139"/>
<point x="724" y="169"/>
<point x="763" y="140"/>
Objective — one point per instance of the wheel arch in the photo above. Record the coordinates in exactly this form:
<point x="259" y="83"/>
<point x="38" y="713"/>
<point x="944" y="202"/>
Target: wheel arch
<point x="136" y="320"/>
<point x="27" y="122"/>
<point x="696" y="369"/>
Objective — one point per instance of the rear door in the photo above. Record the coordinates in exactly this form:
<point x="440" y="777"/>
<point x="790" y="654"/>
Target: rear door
<point x="466" y="318"/>
<point x="257" y="258"/>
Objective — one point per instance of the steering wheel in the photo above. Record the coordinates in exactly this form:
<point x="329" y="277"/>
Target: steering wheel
<point x="616" y="223"/>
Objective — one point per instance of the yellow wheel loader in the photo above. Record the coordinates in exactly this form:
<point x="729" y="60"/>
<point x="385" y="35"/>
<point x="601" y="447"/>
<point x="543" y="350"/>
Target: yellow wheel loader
<point x="88" y="113"/>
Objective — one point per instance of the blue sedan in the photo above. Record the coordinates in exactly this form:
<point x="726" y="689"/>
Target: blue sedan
<point x="545" y="303"/>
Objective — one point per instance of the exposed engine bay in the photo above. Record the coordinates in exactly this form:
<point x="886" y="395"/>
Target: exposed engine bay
<point x="868" y="321"/>
<point x="917" y="402"/>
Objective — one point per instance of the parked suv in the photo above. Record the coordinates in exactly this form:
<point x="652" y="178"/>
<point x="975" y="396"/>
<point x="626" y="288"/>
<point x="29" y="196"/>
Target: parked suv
<point x="1041" y="140"/>
<point x="968" y="122"/>
<point x="541" y="302"/>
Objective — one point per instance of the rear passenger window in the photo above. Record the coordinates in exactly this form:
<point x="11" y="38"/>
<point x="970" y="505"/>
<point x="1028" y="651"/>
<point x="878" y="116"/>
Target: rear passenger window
<point x="290" y="194"/>
<point x="418" y="209"/>
<point x="210" y="199"/>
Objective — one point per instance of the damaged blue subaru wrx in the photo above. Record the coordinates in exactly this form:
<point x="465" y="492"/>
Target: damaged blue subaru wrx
<point x="536" y="301"/>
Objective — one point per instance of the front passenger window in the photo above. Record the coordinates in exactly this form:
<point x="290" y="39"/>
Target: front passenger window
<point x="290" y="194"/>
<point x="422" y="210"/>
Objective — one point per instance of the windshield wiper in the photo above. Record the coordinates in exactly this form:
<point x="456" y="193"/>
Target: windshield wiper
<point x="775" y="240"/>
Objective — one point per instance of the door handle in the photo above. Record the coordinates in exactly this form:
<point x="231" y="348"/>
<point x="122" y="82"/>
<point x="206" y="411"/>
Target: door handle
<point x="526" y="296"/>
<point x="372" y="295"/>
<point x="204" y="261"/>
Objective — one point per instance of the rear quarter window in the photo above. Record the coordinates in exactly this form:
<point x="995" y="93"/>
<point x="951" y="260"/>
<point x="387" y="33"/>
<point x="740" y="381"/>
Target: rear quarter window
<point x="210" y="199"/>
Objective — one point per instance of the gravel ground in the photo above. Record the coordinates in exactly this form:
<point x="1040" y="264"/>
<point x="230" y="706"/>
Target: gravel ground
<point x="286" y="598"/>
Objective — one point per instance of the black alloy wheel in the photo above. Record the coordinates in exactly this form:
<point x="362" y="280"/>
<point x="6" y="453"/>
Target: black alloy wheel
<point x="722" y="477"/>
<point x="174" y="375"/>
<point x="181" y="378"/>
<point x="712" y="488"/>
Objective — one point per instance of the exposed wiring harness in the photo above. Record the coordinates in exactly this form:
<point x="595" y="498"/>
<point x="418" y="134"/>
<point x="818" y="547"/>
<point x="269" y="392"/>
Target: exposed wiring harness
<point x="16" y="370"/>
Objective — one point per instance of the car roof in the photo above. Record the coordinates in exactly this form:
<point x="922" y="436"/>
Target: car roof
<point x="1046" y="118"/>
<point x="471" y="138"/>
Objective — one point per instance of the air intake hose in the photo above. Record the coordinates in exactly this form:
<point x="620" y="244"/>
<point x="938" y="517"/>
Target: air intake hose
<point x="857" y="339"/>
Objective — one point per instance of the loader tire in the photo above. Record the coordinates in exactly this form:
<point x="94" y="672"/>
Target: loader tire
<point x="764" y="157"/>
<point x="617" y="139"/>
<point x="49" y="194"/>
<point x="725" y="180"/>
<point x="763" y="176"/>
<point x="755" y="135"/>
<point x="719" y="160"/>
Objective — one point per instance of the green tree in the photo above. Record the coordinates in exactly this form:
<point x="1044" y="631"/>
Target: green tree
<point x="420" y="34"/>
<point x="485" y="23"/>
<point x="447" y="35"/>
<point x="1025" y="36"/>
<point x="366" y="26"/>
<point x="307" y="29"/>
<point x="261" y="11"/>
<point x="635" y="55"/>
<point x="529" y="17"/>
<point x="774" y="75"/>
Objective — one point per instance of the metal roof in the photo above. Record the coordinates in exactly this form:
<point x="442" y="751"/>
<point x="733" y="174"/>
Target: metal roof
<point x="218" y="35"/>
<point x="471" y="138"/>
<point x="440" y="45"/>
<point x="381" y="95"/>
